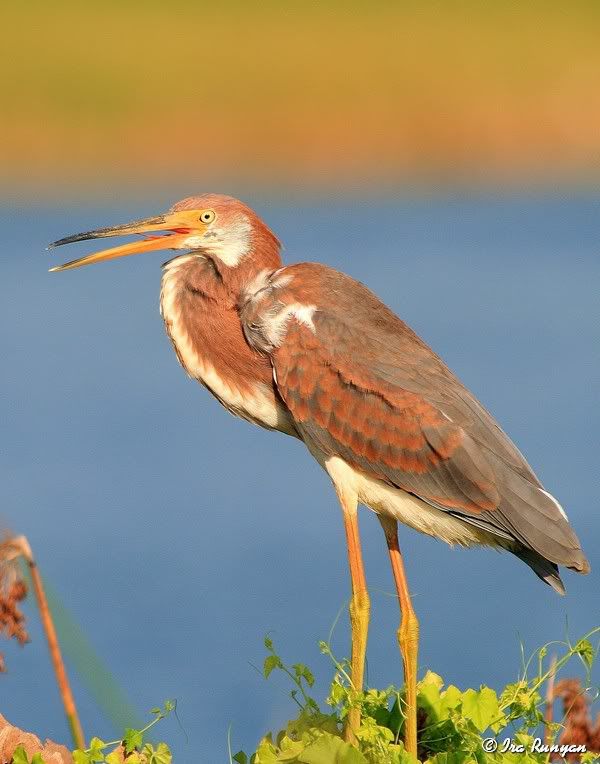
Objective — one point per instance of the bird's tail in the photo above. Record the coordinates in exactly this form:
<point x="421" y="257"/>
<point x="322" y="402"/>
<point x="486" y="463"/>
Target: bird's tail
<point x="542" y="535"/>
<point x="542" y="567"/>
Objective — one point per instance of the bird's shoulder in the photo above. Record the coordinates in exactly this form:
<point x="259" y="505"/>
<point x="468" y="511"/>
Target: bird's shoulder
<point x="336" y="304"/>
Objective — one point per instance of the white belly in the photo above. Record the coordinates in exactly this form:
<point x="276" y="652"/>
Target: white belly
<point x="402" y="506"/>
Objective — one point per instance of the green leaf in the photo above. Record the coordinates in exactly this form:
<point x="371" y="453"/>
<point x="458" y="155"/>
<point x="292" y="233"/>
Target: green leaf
<point x="399" y="756"/>
<point x="132" y="739"/>
<point x="156" y="710"/>
<point x="444" y="736"/>
<point x="240" y="757"/>
<point x="96" y="750"/>
<point x="337" y="692"/>
<point x="429" y="699"/>
<point x="271" y="662"/>
<point x="329" y="749"/>
<point x="456" y="757"/>
<point x="268" y="643"/>
<point x="432" y="678"/>
<point x="396" y="717"/>
<point x="20" y="757"/>
<point x="159" y="755"/>
<point x="381" y="715"/>
<point x="451" y="698"/>
<point x="586" y="652"/>
<point x="313" y="723"/>
<point x="266" y="752"/>
<point x="116" y="758"/>
<point x="303" y="672"/>
<point x="79" y="757"/>
<point x="37" y="759"/>
<point x="170" y="705"/>
<point x="290" y="749"/>
<point x="481" y="707"/>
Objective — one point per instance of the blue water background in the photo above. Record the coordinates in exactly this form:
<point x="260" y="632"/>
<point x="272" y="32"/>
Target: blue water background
<point x="178" y="535"/>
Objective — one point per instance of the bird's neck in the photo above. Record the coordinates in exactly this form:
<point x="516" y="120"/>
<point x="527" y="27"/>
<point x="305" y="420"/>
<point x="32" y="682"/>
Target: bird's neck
<point x="200" y="311"/>
<point x="202" y="320"/>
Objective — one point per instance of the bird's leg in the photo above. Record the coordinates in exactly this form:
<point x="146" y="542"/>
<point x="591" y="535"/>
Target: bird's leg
<point x="359" y="607"/>
<point x="408" y="633"/>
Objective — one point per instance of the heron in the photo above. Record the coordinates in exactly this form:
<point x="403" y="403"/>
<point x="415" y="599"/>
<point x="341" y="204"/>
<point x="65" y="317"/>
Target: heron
<point x="308" y="351"/>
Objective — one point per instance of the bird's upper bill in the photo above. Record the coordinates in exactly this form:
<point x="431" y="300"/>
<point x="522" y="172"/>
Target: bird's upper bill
<point x="172" y="230"/>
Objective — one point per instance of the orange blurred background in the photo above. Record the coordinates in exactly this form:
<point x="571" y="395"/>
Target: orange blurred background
<point x="342" y="94"/>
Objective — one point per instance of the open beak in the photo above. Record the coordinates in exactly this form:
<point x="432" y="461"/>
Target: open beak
<point x="174" y="228"/>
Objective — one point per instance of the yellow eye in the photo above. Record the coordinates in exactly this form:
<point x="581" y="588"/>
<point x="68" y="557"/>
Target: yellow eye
<point x="207" y="216"/>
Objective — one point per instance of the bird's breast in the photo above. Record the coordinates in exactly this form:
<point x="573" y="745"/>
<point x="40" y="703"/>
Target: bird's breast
<point x="210" y="345"/>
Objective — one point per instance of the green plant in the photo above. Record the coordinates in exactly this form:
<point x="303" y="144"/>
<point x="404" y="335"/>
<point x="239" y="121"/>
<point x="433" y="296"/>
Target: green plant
<point x="132" y="748"/>
<point x="455" y="726"/>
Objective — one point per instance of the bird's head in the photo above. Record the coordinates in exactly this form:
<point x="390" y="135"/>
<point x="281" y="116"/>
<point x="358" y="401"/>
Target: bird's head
<point x="219" y="227"/>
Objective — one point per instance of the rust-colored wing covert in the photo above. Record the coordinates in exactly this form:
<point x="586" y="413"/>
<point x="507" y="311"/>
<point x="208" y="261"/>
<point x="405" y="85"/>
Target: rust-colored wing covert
<point x="390" y="433"/>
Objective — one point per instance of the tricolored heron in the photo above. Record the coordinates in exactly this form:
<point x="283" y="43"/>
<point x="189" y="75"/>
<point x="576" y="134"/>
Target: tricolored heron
<point x="311" y="352"/>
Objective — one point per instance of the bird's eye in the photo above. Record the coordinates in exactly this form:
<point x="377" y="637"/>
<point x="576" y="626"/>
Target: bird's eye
<point x="207" y="216"/>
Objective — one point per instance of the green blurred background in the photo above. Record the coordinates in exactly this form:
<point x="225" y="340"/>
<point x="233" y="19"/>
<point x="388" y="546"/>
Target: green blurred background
<point x="340" y="94"/>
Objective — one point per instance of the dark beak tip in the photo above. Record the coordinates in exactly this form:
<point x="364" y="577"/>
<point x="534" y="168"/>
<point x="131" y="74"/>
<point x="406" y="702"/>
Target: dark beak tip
<point x="57" y="243"/>
<point x="69" y="240"/>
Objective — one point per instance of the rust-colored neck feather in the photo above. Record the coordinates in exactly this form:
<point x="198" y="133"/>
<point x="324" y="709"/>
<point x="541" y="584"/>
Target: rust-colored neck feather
<point x="204" y="303"/>
<point x="199" y="305"/>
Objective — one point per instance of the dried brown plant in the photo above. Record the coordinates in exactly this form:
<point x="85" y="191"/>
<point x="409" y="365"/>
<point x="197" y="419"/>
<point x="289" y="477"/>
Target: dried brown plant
<point x="13" y="590"/>
<point x="12" y="737"/>
<point x="578" y="726"/>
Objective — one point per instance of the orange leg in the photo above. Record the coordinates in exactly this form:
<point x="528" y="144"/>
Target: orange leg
<point x="408" y="633"/>
<point x="359" y="608"/>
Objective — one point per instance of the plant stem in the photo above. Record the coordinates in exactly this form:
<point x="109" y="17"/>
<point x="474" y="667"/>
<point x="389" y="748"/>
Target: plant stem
<point x="549" y="716"/>
<point x="22" y="546"/>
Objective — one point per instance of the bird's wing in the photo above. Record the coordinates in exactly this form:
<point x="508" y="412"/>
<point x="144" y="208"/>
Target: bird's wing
<point x="361" y="385"/>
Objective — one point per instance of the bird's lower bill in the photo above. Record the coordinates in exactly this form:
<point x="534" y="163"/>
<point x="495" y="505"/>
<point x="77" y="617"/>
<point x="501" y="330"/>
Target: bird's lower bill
<point x="169" y="231"/>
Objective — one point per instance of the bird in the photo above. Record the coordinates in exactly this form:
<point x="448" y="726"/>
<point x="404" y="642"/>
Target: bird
<point x="308" y="351"/>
